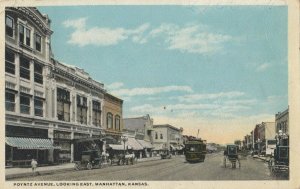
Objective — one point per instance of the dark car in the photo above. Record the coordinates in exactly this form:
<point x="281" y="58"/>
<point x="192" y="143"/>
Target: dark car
<point x="89" y="159"/>
<point x="166" y="154"/>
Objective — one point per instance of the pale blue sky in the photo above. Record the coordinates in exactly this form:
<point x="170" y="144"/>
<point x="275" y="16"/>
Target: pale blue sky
<point x="213" y="68"/>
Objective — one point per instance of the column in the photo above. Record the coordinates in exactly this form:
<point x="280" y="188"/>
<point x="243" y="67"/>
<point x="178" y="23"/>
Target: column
<point x="17" y="71"/>
<point x="54" y="103"/>
<point x="51" y="136"/>
<point x="72" y="147"/>
<point x="31" y="68"/>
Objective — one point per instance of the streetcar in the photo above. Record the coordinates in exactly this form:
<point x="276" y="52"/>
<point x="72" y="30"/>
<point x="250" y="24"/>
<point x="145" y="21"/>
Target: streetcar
<point x="195" y="150"/>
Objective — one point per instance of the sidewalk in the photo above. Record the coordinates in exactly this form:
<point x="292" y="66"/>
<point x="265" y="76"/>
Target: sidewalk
<point x="11" y="173"/>
<point x="265" y="159"/>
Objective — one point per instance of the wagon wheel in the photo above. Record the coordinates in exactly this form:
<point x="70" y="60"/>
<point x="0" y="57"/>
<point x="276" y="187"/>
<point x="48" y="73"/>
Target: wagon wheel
<point x="77" y="166"/>
<point x="233" y="164"/>
<point x="89" y="166"/>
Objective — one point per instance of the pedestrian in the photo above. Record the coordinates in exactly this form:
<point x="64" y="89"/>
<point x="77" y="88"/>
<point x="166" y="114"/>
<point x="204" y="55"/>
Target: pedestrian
<point x="33" y="166"/>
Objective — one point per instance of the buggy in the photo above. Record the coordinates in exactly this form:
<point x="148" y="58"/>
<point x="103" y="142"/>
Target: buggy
<point x="231" y="155"/>
<point x="280" y="162"/>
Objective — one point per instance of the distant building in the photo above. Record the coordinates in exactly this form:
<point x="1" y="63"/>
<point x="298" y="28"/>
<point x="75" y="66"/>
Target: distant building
<point x="167" y="136"/>
<point x="282" y="127"/>
<point x="142" y="127"/>
<point x="266" y="132"/>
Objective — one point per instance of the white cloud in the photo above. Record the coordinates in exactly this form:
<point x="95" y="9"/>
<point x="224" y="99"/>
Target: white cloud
<point x="102" y="36"/>
<point x="192" y="38"/>
<point x="263" y="67"/>
<point x="195" y="97"/>
<point x="115" y="85"/>
<point x="150" y="91"/>
<point x="78" y="24"/>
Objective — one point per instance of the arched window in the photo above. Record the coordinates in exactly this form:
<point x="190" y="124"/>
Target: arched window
<point x="117" y="123"/>
<point x="109" y="120"/>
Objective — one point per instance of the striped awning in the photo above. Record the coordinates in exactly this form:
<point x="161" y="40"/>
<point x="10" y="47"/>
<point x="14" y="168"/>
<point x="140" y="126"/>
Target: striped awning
<point x="30" y="143"/>
<point x="145" y="144"/>
<point x="118" y="146"/>
<point x="134" y="144"/>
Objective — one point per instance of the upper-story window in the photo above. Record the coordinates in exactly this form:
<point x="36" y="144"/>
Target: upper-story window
<point x="117" y="122"/>
<point x="38" y="73"/>
<point x="63" y="105"/>
<point x="9" y="26"/>
<point x="9" y="101"/>
<point x="109" y="120"/>
<point x="24" y="68"/>
<point x="81" y="109"/>
<point x="38" y="42"/>
<point x="38" y="106"/>
<point x="24" y="35"/>
<point x="9" y="62"/>
<point x="25" y="104"/>
<point x="96" y="113"/>
<point x="161" y="136"/>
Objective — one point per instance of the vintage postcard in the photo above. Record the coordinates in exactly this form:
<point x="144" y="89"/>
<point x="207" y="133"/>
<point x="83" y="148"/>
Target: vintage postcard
<point x="175" y="94"/>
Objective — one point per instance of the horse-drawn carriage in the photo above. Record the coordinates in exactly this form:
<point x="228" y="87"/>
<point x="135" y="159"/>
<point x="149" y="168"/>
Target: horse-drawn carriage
<point x="231" y="155"/>
<point x="279" y="163"/>
<point x="121" y="159"/>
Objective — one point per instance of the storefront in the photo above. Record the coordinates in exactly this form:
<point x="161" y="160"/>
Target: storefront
<point x="63" y="140"/>
<point x="20" y="151"/>
<point x="24" y="143"/>
<point x="147" y="152"/>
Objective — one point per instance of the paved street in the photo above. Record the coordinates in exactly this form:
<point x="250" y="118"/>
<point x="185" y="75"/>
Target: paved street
<point x="169" y="169"/>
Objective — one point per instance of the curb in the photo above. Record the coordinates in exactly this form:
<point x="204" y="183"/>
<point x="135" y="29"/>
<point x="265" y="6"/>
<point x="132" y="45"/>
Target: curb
<point x="21" y="175"/>
<point x="49" y="172"/>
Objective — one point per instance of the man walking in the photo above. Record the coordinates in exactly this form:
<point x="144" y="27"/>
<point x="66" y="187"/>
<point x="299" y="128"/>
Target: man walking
<point x="33" y="166"/>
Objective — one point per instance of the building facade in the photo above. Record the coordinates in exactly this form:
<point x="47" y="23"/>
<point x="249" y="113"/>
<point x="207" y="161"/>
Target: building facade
<point x="143" y="124"/>
<point x="27" y="60"/>
<point x="48" y="104"/>
<point x="113" y="117"/>
<point x="167" y="136"/>
<point x="143" y="127"/>
<point x="282" y="127"/>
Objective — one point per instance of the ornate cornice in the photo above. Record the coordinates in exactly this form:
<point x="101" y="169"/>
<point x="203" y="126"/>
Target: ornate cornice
<point x="76" y="79"/>
<point x="36" y="17"/>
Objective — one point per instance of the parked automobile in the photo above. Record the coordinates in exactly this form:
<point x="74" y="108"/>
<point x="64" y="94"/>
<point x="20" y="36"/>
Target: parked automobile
<point x="166" y="154"/>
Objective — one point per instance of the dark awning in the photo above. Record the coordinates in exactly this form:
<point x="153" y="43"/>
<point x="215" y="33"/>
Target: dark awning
<point x="30" y="143"/>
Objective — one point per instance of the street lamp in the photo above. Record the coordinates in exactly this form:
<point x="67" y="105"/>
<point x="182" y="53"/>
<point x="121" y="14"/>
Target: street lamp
<point x="258" y="145"/>
<point x="124" y="139"/>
